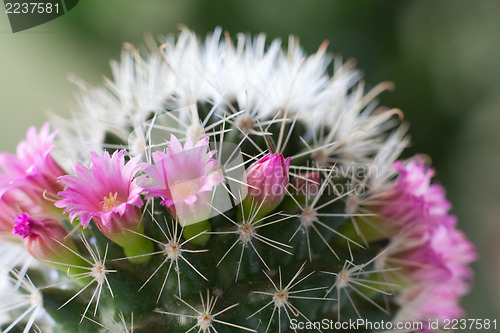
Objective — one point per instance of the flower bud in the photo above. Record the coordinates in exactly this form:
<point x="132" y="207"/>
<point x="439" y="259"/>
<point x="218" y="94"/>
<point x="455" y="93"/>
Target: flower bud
<point x="267" y="181"/>
<point x="44" y="240"/>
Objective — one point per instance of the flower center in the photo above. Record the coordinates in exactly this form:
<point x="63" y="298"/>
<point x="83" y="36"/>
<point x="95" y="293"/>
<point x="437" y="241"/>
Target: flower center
<point x="23" y="225"/>
<point x="110" y="202"/>
<point x="181" y="191"/>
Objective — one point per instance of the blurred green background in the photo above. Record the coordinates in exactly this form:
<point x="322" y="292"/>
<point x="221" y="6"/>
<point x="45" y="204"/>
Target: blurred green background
<point x="442" y="55"/>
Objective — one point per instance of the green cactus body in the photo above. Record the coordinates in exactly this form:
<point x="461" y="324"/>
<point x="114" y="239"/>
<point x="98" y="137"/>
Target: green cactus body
<point x="227" y="131"/>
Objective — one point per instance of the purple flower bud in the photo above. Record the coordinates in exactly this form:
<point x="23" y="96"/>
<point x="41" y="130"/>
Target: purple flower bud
<point x="267" y="181"/>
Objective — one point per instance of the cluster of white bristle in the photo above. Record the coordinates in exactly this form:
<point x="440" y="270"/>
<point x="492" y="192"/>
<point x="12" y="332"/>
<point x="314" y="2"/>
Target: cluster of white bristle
<point x="245" y="83"/>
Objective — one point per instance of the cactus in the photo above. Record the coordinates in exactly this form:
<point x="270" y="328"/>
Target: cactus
<point x="225" y="186"/>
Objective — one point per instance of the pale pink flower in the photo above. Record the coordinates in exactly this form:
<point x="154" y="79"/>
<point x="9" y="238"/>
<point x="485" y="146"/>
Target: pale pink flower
<point x="456" y="252"/>
<point x="413" y="199"/>
<point x="184" y="178"/>
<point x="426" y="303"/>
<point x="436" y="259"/>
<point x="435" y="255"/>
<point x="434" y="252"/>
<point x="420" y="260"/>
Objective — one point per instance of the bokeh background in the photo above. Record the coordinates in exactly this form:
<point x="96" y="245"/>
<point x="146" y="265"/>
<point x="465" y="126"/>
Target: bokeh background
<point x="443" y="57"/>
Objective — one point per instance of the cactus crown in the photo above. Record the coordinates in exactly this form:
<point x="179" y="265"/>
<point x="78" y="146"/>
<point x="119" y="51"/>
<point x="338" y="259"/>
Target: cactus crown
<point x="222" y="186"/>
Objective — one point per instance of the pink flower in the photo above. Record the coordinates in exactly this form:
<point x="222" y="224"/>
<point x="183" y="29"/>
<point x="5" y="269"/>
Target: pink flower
<point x="436" y="255"/>
<point x="433" y="252"/>
<point x="32" y="170"/>
<point x="436" y="259"/>
<point x="456" y="252"/>
<point x="105" y="192"/>
<point x="428" y="302"/>
<point x="419" y="259"/>
<point x="184" y="178"/>
<point x="414" y="199"/>
<point x="267" y="180"/>
<point x="43" y="239"/>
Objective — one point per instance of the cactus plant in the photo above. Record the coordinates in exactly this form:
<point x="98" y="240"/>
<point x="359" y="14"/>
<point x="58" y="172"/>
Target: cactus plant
<point x="221" y="186"/>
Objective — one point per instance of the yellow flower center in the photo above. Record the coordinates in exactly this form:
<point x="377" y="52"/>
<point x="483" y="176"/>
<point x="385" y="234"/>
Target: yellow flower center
<point x="184" y="189"/>
<point x="110" y="202"/>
